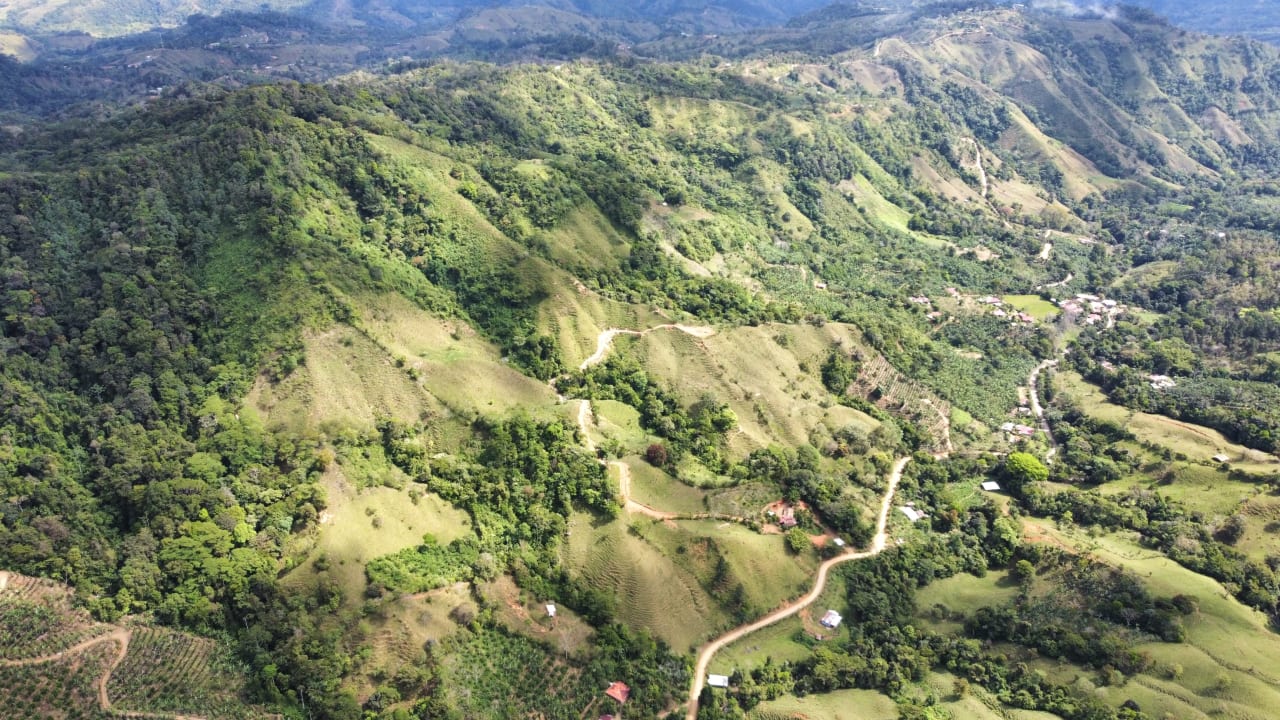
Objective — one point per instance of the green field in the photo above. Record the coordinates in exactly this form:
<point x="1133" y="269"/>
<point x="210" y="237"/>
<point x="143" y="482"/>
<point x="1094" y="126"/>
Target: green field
<point x="652" y="590"/>
<point x="1033" y="305"/>
<point x="839" y="705"/>
<point x="347" y="537"/>
<point x="1227" y="667"/>
<point x="653" y="487"/>
<point x="963" y="593"/>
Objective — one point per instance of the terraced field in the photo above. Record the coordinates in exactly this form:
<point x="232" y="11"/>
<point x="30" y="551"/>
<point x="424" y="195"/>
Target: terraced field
<point x="58" y="663"/>
<point x="653" y="592"/>
<point x="66" y="690"/>
<point x="169" y="672"/>
<point x="38" y="619"/>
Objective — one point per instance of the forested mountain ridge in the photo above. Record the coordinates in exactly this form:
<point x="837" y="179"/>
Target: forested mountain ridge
<point x="258" y="342"/>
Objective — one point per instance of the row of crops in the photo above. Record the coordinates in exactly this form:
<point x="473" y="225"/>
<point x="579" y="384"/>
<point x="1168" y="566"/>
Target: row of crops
<point x="32" y="628"/>
<point x="167" y="671"/>
<point x="63" y="689"/>
<point x="495" y="675"/>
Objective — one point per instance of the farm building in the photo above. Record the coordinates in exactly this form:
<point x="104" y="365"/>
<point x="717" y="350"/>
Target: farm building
<point x="1220" y="458"/>
<point x="837" y="542"/>
<point x="831" y="620"/>
<point x="991" y="486"/>
<point x="551" y="610"/>
<point x="720" y="681"/>
<point x="787" y="518"/>
<point x="911" y="513"/>
<point x="618" y="691"/>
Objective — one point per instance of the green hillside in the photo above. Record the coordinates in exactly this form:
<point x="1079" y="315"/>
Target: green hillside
<point x="359" y="377"/>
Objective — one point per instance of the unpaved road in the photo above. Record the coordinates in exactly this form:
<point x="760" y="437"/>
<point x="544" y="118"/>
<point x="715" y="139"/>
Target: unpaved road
<point x="820" y="584"/>
<point x="1033" y="388"/>
<point x="119" y="636"/>
<point x="624" y="472"/>
<point x="605" y="340"/>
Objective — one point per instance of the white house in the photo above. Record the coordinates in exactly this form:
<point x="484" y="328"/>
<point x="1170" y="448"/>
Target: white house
<point x="991" y="486"/>
<point x="551" y="610"/>
<point x="831" y="620"/>
<point x="720" y="681"/>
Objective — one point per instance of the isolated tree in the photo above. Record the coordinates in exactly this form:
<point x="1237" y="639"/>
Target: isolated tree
<point x="1022" y="468"/>
<point x="797" y="540"/>
<point x="657" y="455"/>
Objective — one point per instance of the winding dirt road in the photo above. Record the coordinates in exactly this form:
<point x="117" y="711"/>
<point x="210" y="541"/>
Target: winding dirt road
<point x="820" y="584"/>
<point x="119" y="636"/>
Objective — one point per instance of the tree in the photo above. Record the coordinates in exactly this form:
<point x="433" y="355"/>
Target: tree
<point x="1023" y="571"/>
<point x="797" y="540"/>
<point x="657" y="455"/>
<point x="1021" y="469"/>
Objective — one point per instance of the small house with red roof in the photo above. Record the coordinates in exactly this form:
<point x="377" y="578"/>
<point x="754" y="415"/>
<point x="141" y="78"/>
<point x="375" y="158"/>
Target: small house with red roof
<point x="618" y="691"/>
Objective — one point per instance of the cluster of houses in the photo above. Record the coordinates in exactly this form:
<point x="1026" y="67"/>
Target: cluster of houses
<point x="1094" y="309"/>
<point x="1017" y="432"/>
<point x="998" y="310"/>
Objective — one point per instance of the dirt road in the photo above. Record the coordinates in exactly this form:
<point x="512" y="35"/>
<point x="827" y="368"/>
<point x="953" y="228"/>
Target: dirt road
<point x="820" y="584"/>
<point x="1033" y="386"/>
<point x="605" y="340"/>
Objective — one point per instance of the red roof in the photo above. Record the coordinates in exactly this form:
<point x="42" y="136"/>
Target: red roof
<point x="618" y="691"/>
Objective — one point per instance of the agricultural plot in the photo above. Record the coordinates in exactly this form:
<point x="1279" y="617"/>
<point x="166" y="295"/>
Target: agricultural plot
<point x="653" y="591"/>
<point x="757" y="371"/>
<point x="37" y="619"/>
<point x="65" y="689"/>
<point x="893" y="391"/>
<point x="169" y="672"/>
<point x="499" y="676"/>
<point x="566" y="631"/>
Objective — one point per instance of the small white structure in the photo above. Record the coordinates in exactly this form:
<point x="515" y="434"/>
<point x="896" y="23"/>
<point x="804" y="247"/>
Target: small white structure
<point x="991" y="486"/>
<point x="720" y="681"/>
<point x="911" y="513"/>
<point x="551" y="610"/>
<point x="831" y="620"/>
<point x="1220" y="458"/>
<point x="838" y="542"/>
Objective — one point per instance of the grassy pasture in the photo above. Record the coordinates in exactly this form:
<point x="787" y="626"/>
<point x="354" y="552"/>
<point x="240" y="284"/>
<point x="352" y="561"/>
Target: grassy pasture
<point x="1227" y="667"/>
<point x="347" y="537"/>
<point x="1032" y="305"/>
<point x="653" y="487"/>
<point x="1196" y="442"/>
<point x="756" y="370"/>
<point x="964" y="593"/>
<point x="653" y="591"/>
<point x="838" y="705"/>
